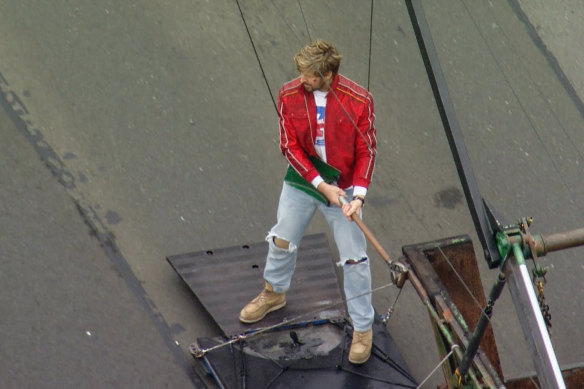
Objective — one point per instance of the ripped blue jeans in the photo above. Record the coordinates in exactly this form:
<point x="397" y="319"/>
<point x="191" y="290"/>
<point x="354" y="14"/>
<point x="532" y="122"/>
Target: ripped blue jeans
<point x="295" y="211"/>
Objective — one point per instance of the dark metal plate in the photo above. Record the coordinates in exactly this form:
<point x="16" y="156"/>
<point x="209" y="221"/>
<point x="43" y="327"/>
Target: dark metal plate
<point x="254" y="364"/>
<point x="226" y="279"/>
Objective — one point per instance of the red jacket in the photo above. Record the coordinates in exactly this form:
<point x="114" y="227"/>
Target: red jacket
<point x="349" y="152"/>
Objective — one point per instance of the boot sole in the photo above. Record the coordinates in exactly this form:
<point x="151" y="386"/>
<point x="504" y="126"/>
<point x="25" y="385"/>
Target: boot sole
<point x="274" y="308"/>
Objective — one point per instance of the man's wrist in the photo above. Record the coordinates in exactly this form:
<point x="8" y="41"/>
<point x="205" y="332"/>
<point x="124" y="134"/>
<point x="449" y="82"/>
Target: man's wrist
<point x="361" y="199"/>
<point x="316" y="181"/>
<point x="359" y="191"/>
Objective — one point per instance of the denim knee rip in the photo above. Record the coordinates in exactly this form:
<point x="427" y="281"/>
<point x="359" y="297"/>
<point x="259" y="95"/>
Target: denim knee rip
<point x="270" y="239"/>
<point x="343" y="262"/>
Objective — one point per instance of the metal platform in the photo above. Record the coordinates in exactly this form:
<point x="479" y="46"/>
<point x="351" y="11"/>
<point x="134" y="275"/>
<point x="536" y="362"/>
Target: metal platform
<point x="311" y="357"/>
<point x="226" y="279"/>
<point x="311" y="353"/>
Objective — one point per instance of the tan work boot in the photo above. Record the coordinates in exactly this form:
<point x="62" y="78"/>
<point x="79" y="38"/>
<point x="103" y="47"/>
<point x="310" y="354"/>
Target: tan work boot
<point x="267" y="301"/>
<point x="361" y="346"/>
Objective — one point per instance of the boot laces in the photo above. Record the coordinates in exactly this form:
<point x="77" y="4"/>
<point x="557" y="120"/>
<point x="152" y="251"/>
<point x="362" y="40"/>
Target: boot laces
<point x="262" y="297"/>
<point x="360" y="337"/>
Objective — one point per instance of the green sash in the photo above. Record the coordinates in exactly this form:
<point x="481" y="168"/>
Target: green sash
<point x="328" y="173"/>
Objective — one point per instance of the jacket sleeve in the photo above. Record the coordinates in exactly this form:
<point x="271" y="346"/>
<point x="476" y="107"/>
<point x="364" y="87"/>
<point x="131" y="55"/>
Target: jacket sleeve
<point x="365" y="146"/>
<point x="290" y="145"/>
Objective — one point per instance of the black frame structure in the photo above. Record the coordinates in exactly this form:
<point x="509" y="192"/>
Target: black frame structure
<point x="488" y="228"/>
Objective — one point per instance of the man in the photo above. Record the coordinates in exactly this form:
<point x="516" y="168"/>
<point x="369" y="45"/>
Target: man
<point x="328" y="137"/>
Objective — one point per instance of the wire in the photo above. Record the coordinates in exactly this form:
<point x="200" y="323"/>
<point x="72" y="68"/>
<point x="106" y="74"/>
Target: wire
<point x="379" y="353"/>
<point x="463" y="283"/>
<point x="391" y="308"/>
<point x="440" y="364"/>
<point x="285" y="321"/>
<point x="273" y="380"/>
<point x="554" y="65"/>
<point x="370" y="45"/>
<point x="534" y="383"/>
<point x="372" y="378"/>
<point x="238" y="338"/>
<point x="303" y="18"/>
<point x="288" y="25"/>
<point x="256" y="54"/>
<point x="521" y="106"/>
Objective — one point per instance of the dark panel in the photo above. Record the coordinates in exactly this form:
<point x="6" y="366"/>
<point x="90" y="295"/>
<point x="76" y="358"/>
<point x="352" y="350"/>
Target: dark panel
<point x="319" y="360"/>
<point x="226" y="279"/>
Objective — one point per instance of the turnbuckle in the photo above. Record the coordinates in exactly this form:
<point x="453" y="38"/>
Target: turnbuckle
<point x="196" y="351"/>
<point x="399" y="272"/>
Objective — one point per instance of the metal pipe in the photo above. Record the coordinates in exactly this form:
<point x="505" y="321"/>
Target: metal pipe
<point x="415" y="281"/>
<point x="481" y="327"/>
<point x="532" y="323"/>
<point x="447" y="335"/>
<point x="445" y="107"/>
<point x="561" y="240"/>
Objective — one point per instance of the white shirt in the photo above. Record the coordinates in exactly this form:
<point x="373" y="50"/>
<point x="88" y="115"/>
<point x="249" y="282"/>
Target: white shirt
<point x="319" y="145"/>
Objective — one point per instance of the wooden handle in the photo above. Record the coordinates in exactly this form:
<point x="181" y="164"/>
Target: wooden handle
<point x="368" y="234"/>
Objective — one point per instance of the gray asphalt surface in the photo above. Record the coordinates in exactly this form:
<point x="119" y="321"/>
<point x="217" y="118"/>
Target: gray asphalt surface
<point x="133" y="131"/>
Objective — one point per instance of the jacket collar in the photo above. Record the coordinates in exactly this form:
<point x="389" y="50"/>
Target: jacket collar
<point x="333" y="85"/>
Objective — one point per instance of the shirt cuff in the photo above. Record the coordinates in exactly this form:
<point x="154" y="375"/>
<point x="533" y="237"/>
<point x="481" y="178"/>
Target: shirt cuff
<point x="359" y="191"/>
<point x="316" y="181"/>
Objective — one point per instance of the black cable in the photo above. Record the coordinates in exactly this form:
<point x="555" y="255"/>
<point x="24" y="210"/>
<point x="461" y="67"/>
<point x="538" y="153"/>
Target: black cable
<point x="376" y="379"/>
<point x="303" y="18"/>
<point x="257" y="55"/>
<point x="385" y="358"/>
<point x="554" y="64"/>
<point x="522" y="106"/>
<point x="243" y="368"/>
<point x="370" y="45"/>
<point x="235" y="370"/>
<point x="288" y="25"/>
<point x="273" y="380"/>
<point x="379" y="353"/>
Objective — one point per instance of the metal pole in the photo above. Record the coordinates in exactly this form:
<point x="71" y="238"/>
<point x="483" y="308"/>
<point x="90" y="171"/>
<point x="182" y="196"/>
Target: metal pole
<point x="445" y="107"/>
<point x="559" y="241"/>
<point x="532" y="323"/>
<point x="477" y="336"/>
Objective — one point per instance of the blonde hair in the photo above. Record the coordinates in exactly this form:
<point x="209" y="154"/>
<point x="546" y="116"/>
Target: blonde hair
<point x="318" y="57"/>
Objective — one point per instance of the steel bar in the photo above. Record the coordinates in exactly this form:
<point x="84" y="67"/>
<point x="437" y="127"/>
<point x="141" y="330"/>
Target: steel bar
<point x="483" y="367"/>
<point x="473" y="197"/>
<point x="560" y="241"/>
<point x="477" y="336"/>
<point x="532" y="323"/>
<point x="425" y="261"/>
